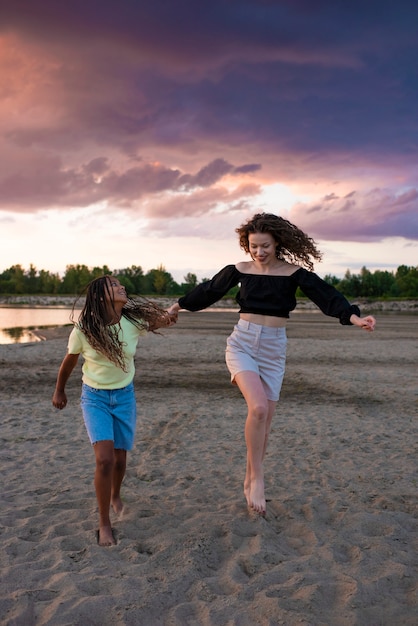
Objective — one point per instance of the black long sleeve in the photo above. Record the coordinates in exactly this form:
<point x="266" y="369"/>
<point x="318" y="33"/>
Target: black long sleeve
<point x="211" y="291"/>
<point x="326" y="297"/>
<point x="269" y="294"/>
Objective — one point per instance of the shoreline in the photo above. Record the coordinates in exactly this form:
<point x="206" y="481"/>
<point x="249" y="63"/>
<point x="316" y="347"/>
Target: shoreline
<point x="368" y="306"/>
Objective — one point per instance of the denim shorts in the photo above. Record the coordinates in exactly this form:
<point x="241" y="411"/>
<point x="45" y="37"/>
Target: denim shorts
<point x="110" y="415"/>
<point x="261" y="349"/>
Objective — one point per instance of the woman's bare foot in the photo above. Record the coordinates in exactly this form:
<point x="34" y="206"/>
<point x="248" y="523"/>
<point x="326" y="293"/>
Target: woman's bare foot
<point x="247" y="481"/>
<point x="105" y="537"/>
<point x="247" y="486"/>
<point x="257" y="500"/>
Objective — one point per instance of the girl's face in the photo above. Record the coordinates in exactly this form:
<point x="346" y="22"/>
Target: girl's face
<point x="262" y="247"/>
<point x="117" y="292"/>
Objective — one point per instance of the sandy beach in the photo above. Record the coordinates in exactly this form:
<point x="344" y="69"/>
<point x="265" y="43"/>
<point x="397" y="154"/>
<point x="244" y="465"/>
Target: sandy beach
<point x="338" y="545"/>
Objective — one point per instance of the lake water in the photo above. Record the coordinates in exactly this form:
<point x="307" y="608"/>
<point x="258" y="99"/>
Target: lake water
<point x="16" y="323"/>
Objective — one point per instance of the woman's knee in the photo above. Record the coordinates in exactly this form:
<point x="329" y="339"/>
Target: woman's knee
<point x="259" y="412"/>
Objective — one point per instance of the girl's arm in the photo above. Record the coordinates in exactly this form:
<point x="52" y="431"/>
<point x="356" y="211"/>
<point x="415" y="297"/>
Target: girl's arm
<point x="366" y="323"/>
<point x="59" y="399"/>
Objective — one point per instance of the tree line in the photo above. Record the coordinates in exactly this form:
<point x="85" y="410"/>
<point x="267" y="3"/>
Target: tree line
<point x="402" y="283"/>
<point x="17" y="280"/>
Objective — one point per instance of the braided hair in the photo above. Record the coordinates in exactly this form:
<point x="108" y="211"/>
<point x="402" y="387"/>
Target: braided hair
<point x="104" y="337"/>
<point x="292" y="244"/>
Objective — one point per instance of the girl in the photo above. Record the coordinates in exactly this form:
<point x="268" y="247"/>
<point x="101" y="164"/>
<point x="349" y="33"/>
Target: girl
<point x="106" y="335"/>
<point x="281" y="261"/>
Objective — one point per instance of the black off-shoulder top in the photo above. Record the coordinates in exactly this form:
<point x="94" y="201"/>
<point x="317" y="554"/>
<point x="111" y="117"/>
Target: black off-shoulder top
<point x="270" y="295"/>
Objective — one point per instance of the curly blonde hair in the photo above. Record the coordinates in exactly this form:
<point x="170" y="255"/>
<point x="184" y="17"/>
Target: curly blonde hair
<point x="292" y="244"/>
<point x="104" y="338"/>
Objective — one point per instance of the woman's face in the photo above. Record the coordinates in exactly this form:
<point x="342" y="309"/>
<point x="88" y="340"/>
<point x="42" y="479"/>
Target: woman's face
<point x="262" y="247"/>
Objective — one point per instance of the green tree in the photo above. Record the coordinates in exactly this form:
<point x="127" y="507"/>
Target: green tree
<point x="76" y="277"/>
<point x="367" y="286"/>
<point x="132" y="278"/>
<point x="48" y="283"/>
<point x="96" y="272"/>
<point x="31" y="280"/>
<point x="384" y="284"/>
<point x="350" y="285"/>
<point x="13" y="280"/>
<point x="190" y="282"/>
<point x="161" y="280"/>
<point x="407" y="281"/>
<point x="332" y="280"/>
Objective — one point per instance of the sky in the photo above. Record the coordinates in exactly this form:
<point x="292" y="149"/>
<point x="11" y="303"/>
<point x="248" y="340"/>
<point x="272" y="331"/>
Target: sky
<point x="144" y="133"/>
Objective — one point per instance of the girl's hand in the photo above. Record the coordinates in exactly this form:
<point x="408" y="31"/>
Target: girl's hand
<point x="173" y="317"/>
<point x="169" y="320"/>
<point x="166" y="319"/>
<point x="59" y="399"/>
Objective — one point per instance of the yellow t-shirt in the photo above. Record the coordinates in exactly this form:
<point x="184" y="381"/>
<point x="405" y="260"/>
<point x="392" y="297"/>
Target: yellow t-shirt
<point x="98" y="371"/>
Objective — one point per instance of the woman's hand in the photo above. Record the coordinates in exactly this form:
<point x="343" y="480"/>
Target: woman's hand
<point x="366" y="323"/>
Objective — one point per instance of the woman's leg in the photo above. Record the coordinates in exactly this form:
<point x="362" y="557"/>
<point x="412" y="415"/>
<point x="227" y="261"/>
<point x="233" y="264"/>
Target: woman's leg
<point x="270" y="413"/>
<point x="103" y="477"/>
<point x="257" y="428"/>
<point x="118" y="476"/>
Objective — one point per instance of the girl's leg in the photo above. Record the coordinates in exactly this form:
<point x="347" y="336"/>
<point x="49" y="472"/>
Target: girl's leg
<point x="118" y="476"/>
<point x="105" y="465"/>
<point x="257" y="428"/>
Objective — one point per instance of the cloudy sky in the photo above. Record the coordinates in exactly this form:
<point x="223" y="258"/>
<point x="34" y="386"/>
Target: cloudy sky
<point x="143" y="133"/>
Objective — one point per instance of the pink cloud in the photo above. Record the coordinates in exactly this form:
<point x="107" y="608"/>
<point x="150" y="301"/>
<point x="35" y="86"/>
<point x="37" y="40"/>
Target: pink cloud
<point x="49" y="184"/>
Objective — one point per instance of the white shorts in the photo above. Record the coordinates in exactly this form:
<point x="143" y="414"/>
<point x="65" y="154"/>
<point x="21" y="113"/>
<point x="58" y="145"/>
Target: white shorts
<point x="261" y="349"/>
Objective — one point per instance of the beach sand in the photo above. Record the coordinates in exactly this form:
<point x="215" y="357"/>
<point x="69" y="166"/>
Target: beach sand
<point x="338" y="545"/>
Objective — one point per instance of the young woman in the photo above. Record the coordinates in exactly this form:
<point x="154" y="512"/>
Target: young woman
<point x="281" y="261"/>
<point x="106" y="335"/>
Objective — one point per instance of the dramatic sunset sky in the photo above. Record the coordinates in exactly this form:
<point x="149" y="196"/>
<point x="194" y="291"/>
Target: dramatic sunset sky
<point x="144" y="132"/>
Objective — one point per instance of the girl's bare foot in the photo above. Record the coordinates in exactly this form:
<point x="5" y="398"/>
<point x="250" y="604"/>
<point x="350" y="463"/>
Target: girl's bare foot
<point x="105" y="537"/>
<point x="117" y="505"/>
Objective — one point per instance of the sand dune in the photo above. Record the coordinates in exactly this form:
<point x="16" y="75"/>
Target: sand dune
<point x="337" y="546"/>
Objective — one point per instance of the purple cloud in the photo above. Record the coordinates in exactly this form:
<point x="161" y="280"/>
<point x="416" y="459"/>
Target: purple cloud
<point x="115" y="104"/>
<point x="368" y="216"/>
<point x="50" y="184"/>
